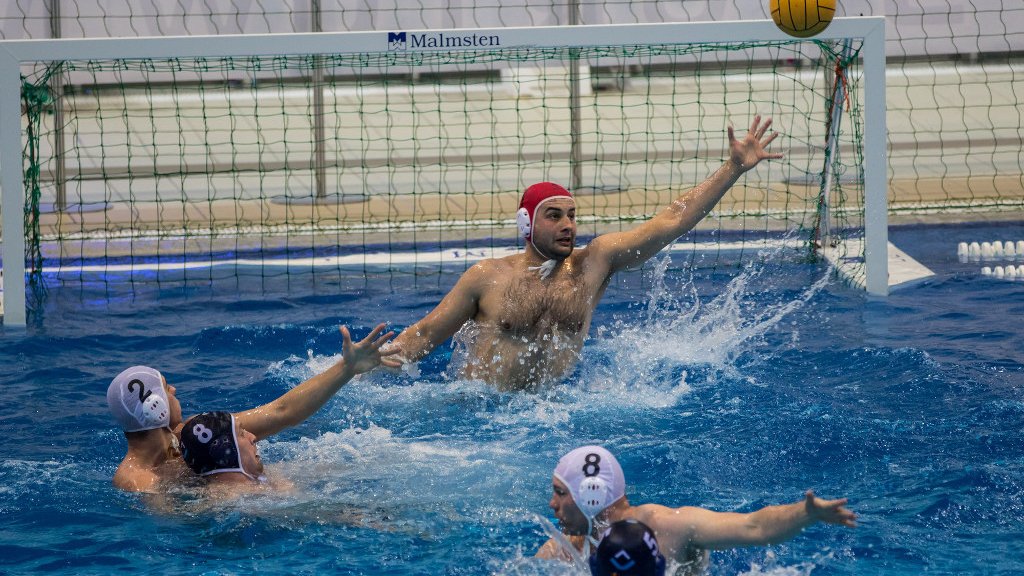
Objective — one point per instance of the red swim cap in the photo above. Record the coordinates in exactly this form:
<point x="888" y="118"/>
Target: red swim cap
<point x="533" y="197"/>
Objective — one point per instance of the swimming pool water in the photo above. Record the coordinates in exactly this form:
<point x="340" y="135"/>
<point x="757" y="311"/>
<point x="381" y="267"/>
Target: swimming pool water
<point x="731" y="388"/>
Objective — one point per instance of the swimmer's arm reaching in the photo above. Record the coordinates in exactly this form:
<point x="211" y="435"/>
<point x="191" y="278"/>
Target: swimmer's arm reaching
<point x="634" y="247"/>
<point x="459" y="306"/>
<point x="299" y="403"/>
<point x="696" y="527"/>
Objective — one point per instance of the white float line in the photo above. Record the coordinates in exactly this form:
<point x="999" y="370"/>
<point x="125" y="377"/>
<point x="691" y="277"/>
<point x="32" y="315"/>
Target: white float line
<point x="1007" y="273"/>
<point x="995" y="250"/>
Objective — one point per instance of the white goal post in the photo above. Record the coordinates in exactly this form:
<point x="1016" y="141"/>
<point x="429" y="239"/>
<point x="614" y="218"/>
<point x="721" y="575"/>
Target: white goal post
<point x="13" y="54"/>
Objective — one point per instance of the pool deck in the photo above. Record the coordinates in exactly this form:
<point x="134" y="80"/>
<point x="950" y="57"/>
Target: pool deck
<point x="264" y="224"/>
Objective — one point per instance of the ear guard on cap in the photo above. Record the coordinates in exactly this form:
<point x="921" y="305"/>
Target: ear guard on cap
<point x="593" y="497"/>
<point x="523" y="222"/>
<point x="152" y="412"/>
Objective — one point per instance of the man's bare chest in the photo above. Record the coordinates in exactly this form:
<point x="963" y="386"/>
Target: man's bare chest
<point x="530" y="306"/>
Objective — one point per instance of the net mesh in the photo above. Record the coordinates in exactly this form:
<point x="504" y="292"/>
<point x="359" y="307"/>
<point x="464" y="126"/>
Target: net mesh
<point x="334" y="160"/>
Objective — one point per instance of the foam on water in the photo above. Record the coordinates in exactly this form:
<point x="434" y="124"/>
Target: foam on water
<point x="770" y="567"/>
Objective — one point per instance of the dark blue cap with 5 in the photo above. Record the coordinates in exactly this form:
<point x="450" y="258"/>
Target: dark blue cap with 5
<point x="628" y="548"/>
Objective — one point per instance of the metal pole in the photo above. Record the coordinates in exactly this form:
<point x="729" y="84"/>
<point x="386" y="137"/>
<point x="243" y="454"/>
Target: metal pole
<point x="12" y="194"/>
<point x="57" y="91"/>
<point x="320" y="140"/>
<point x="576" y="150"/>
<point x="832" y="147"/>
<point x="876" y="216"/>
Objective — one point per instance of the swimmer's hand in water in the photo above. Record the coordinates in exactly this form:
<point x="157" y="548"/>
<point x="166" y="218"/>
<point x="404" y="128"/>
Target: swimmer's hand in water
<point x="829" y="511"/>
<point x="367" y="354"/>
<point x="398" y="363"/>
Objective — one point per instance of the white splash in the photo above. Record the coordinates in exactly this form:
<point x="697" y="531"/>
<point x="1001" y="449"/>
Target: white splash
<point x="679" y="329"/>
<point x="771" y="566"/>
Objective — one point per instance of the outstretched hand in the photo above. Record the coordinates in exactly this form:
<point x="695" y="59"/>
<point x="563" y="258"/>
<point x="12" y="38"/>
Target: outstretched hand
<point x="829" y="511"/>
<point x="749" y="151"/>
<point x="366" y="354"/>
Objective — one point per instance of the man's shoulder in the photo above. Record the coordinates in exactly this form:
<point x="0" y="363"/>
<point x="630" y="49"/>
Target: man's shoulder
<point x="643" y="511"/>
<point x="487" y="268"/>
<point x="480" y="278"/>
<point x="673" y="526"/>
<point x="132" y="478"/>
<point x="502" y="262"/>
<point x="652" y="514"/>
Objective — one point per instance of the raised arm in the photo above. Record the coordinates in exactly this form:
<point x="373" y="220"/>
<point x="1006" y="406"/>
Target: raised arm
<point x="633" y="247"/>
<point x="457" y="307"/>
<point x="702" y="528"/>
<point x="299" y="403"/>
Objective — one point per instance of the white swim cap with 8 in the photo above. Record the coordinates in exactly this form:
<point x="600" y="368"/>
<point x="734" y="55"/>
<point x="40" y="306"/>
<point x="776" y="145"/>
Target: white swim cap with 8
<point x="593" y="477"/>
<point x="138" y="401"/>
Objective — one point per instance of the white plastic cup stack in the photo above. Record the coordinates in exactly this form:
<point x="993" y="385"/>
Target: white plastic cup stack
<point x="961" y="252"/>
<point x="986" y="251"/>
<point x="1010" y="273"/>
<point x="986" y="271"/>
<point x="998" y="272"/>
<point x="997" y="250"/>
<point x="1009" y="252"/>
<point x="1020" y="272"/>
<point x="1020" y="249"/>
<point x="974" y="251"/>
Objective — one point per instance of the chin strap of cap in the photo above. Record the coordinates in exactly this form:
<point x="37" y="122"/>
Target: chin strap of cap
<point x="545" y="269"/>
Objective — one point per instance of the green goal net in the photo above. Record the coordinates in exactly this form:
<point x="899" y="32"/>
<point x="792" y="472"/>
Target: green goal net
<point x="409" y="150"/>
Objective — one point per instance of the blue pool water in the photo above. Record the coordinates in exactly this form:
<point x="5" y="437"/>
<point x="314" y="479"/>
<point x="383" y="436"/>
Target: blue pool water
<point x="730" y="387"/>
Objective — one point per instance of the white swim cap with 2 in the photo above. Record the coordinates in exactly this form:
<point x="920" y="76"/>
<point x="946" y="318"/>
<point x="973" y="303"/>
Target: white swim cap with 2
<point x="593" y="477"/>
<point x="138" y="400"/>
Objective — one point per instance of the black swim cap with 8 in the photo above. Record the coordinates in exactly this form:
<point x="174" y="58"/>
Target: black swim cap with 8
<point x="209" y="444"/>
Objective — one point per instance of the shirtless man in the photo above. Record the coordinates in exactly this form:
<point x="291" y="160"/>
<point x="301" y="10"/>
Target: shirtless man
<point x="531" y="311"/>
<point x="147" y="409"/>
<point x="589" y="492"/>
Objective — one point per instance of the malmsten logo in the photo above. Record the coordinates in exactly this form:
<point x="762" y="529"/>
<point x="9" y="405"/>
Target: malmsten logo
<point x="407" y="40"/>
